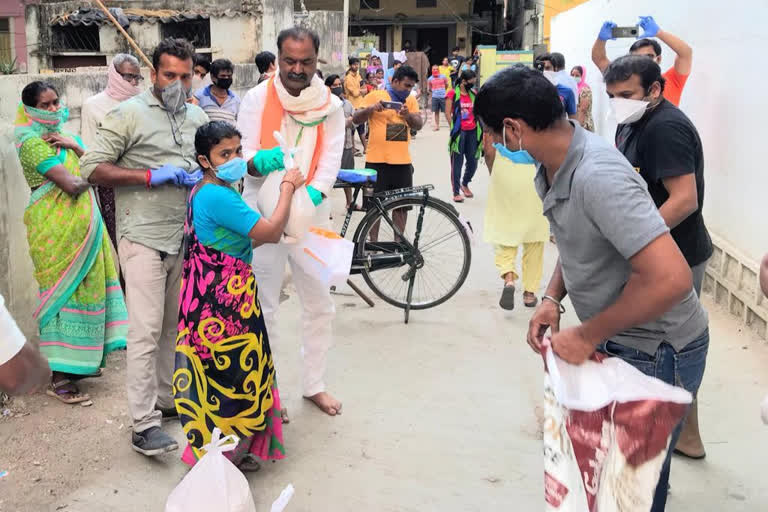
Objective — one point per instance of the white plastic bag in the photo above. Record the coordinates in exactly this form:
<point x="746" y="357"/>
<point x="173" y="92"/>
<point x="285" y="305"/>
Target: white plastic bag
<point x="607" y="429"/>
<point x="326" y="255"/>
<point x="302" y="208"/>
<point x="214" y="483"/>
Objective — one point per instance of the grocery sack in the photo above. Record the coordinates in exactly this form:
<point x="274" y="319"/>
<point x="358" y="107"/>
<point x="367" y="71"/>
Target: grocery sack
<point x="607" y="428"/>
<point x="302" y="211"/>
<point x="326" y="255"/>
<point x="214" y="483"/>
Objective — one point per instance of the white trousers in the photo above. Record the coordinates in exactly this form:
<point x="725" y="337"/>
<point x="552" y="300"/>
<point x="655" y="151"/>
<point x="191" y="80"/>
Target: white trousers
<point x="317" y="307"/>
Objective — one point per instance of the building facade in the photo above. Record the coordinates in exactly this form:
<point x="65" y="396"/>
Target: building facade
<point x="13" y="41"/>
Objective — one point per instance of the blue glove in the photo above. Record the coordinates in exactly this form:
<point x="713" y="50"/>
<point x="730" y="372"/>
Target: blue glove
<point x="166" y="174"/>
<point x="190" y="179"/>
<point x="606" y="31"/>
<point x="315" y="195"/>
<point x="649" y="26"/>
<point x="268" y="160"/>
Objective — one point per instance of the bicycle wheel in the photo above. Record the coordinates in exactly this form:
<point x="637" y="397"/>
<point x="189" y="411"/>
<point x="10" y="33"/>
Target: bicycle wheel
<point x="440" y="263"/>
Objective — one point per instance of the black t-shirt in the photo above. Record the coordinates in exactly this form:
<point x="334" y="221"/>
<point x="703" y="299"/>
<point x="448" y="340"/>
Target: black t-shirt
<point x="456" y="61"/>
<point x="665" y="144"/>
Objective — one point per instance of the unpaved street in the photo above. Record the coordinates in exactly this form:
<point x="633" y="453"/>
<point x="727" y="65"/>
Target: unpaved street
<point x="439" y="415"/>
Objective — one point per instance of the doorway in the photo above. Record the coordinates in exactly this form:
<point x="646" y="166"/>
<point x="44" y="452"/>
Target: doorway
<point x="435" y="39"/>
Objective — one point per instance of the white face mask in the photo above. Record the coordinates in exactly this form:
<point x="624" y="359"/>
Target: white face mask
<point x="551" y="76"/>
<point x="626" y="111"/>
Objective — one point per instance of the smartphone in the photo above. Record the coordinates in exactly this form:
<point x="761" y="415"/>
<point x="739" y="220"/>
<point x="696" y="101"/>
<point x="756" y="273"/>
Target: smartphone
<point x="392" y="105"/>
<point x="632" y="31"/>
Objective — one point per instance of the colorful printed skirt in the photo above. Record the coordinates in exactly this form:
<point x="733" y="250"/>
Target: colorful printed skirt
<point x="224" y="375"/>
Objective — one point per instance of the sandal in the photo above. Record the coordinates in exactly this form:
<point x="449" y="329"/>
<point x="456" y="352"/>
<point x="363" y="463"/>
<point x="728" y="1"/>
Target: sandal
<point x="66" y="391"/>
<point x="507" y="300"/>
<point x="530" y="300"/>
<point x="249" y="464"/>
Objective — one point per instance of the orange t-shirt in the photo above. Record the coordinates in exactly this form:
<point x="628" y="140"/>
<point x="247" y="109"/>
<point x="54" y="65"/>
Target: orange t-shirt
<point x="389" y="135"/>
<point x="673" y="89"/>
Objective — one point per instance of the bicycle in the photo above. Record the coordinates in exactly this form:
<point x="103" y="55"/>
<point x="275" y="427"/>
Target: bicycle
<point x="405" y="266"/>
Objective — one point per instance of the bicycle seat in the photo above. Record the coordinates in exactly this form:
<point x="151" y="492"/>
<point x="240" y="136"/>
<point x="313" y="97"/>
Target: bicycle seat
<point x="357" y="176"/>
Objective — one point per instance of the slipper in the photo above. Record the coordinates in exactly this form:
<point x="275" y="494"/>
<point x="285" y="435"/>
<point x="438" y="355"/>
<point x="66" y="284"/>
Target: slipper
<point x="249" y="464"/>
<point x="508" y="298"/>
<point x="458" y="199"/>
<point x="692" y="457"/>
<point x="55" y="391"/>
<point x="530" y="301"/>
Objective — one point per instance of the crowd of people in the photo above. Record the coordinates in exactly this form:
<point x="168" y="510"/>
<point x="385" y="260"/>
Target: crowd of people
<point x="193" y="290"/>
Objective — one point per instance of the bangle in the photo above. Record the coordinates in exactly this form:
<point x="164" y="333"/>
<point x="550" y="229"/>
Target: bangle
<point x="288" y="182"/>
<point x="555" y="301"/>
<point x="148" y="178"/>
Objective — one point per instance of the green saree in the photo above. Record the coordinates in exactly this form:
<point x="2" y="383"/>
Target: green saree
<point x="82" y="314"/>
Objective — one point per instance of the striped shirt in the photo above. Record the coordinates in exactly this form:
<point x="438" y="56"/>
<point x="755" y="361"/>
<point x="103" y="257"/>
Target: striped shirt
<point x="224" y="112"/>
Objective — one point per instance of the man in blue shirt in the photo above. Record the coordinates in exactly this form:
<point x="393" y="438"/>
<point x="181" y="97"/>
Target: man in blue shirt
<point x="554" y="70"/>
<point x="217" y="100"/>
<point x="391" y="71"/>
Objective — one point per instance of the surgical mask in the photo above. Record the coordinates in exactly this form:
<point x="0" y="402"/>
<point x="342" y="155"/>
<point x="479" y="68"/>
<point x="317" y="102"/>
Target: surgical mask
<point x="337" y="91"/>
<point x="232" y="171"/>
<point x="627" y="111"/>
<point x="224" y="83"/>
<point x="175" y="96"/>
<point x="551" y="76"/>
<point x="519" y="157"/>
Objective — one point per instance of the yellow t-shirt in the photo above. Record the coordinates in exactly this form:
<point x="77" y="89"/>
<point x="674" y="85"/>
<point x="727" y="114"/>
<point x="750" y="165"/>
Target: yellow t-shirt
<point x="447" y="71"/>
<point x="388" y="141"/>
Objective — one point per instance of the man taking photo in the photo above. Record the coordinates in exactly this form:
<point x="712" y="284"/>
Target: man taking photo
<point x="676" y="76"/>
<point x="392" y="114"/>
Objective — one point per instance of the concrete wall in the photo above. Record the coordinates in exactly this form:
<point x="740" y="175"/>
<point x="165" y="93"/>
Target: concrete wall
<point x="17" y="283"/>
<point x="277" y="15"/>
<point x="726" y="111"/>
<point x="237" y="39"/>
<point x="329" y="25"/>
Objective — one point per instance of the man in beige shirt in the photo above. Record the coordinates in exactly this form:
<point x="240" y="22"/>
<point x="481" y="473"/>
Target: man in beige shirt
<point x="145" y="150"/>
<point x="354" y="94"/>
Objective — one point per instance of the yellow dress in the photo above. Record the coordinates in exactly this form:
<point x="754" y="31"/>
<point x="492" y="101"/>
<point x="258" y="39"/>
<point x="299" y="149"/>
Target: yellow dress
<point x="514" y="214"/>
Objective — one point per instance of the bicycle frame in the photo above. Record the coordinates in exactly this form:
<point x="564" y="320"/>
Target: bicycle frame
<point x="402" y="252"/>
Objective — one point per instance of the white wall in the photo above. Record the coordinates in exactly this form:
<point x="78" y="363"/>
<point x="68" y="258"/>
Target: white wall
<point x="723" y="96"/>
<point x="236" y="38"/>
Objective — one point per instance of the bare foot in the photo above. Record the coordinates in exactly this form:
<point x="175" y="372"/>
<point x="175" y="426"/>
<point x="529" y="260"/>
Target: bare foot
<point x="284" y="416"/>
<point x="326" y="403"/>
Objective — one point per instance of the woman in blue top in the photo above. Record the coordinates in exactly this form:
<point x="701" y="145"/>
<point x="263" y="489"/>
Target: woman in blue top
<point x="224" y="375"/>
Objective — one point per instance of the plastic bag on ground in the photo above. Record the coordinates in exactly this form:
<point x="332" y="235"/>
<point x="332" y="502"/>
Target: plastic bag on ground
<point x="214" y="483"/>
<point x="326" y="255"/>
<point x="607" y="429"/>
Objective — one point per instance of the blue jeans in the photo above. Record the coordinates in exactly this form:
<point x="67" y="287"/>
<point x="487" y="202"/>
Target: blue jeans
<point x="467" y="149"/>
<point x="684" y="369"/>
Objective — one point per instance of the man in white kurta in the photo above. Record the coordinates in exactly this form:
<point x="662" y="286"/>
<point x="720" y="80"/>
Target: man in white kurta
<point x="309" y="114"/>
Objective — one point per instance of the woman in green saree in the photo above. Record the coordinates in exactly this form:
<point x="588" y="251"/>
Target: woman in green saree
<point x="82" y="315"/>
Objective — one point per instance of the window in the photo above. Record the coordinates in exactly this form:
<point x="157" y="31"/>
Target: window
<point x="5" y="40"/>
<point x="197" y="32"/>
<point x="426" y="3"/>
<point x="369" y="4"/>
<point x="68" y="38"/>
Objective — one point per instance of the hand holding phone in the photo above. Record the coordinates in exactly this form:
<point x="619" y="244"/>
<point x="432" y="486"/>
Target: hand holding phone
<point x="392" y="105"/>
<point x="625" y="32"/>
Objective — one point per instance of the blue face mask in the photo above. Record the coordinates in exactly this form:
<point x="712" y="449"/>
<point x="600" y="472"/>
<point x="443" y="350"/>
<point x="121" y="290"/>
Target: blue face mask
<point x="232" y="171"/>
<point x="519" y="157"/>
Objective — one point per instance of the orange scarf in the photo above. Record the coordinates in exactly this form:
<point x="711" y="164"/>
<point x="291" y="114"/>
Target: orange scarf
<point x="271" y="121"/>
